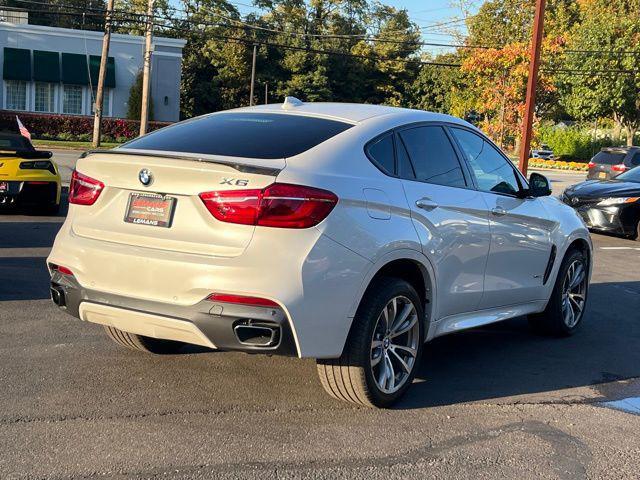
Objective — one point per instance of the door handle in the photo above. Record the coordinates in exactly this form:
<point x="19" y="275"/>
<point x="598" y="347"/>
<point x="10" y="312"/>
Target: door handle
<point x="426" y="204"/>
<point x="498" y="211"/>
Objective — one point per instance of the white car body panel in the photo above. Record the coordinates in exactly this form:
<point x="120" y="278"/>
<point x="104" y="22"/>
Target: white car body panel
<point x="478" y="269"/>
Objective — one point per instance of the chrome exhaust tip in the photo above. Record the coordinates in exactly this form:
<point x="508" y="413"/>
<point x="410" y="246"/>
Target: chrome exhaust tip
<point x="257" y="334"/>
<point x="58" y="296"/>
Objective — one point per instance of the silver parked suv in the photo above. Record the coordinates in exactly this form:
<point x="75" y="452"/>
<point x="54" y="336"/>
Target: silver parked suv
<point x="351" y="234"/>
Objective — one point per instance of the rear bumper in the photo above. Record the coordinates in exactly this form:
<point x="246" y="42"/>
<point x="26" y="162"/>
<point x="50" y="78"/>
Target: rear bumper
<point x="209" y="324"/>
<point x="27" y="192"/>
<point x="312" y="278"/>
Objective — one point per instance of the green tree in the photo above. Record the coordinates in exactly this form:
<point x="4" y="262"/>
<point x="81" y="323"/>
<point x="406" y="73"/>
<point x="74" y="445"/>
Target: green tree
<point x="134" y="104"/>
<point x="611" y="85"/>
<point x="435" y="87"/>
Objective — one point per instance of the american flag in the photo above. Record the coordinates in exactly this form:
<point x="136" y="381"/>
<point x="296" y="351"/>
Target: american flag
<point x="23" y="130"/>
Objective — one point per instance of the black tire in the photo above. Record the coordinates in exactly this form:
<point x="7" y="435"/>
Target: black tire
<point x="552" y="320"/>
<point x="142" y="343"/>
<point x="351" y="378"/>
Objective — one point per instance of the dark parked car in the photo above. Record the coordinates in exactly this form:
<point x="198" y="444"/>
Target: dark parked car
<point x="609" y="205"/>
<point x="612" y="161"/>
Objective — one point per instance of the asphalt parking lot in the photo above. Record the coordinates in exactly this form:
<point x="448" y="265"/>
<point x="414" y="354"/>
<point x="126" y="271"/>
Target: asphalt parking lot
<point x="495" y="402"/>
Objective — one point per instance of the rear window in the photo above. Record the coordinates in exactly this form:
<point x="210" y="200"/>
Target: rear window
<point x="609" y="158"/>
<point x="14" y="143"/>
<point x="251" y="135"/>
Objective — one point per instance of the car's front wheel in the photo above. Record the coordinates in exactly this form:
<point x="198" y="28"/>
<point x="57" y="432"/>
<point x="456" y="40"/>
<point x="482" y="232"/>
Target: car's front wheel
<point x="565" y="310"/>
<point x="383" y="350"/>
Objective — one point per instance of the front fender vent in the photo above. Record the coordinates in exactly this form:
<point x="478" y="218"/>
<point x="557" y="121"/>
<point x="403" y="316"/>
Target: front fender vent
<point x="552" y="259"/>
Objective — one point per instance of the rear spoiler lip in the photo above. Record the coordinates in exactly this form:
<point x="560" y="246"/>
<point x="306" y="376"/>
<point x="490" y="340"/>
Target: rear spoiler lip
<point x="27" y="154"/>
<point x="235" y="164"/>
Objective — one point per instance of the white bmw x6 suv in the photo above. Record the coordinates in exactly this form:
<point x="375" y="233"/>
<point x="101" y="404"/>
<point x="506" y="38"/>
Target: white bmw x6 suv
<point x="351" y="234"/>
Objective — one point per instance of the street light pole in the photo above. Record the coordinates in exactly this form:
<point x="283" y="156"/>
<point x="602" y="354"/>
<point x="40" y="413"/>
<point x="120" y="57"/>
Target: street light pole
<point x="253" y="73"/>
<point x="536" y="46"/>
<point x="97" y="109"/>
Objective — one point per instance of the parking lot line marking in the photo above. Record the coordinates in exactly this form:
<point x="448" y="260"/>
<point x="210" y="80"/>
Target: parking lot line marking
<point x="619" y="248"/>
<point x="24" y="252"/>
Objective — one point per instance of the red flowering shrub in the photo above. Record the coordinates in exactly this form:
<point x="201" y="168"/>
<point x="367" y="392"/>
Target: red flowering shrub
<point x="72" y="127"/>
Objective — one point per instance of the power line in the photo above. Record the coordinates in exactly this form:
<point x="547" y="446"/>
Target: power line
<point x="362" y="37"/>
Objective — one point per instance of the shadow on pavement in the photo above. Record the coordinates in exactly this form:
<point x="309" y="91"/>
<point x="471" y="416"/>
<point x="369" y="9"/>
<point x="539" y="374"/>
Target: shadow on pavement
<point x="28" y="234"/>
<point x="508" y="359"/>
<point x="23" y="278"/>
<point x="36" y="211"/>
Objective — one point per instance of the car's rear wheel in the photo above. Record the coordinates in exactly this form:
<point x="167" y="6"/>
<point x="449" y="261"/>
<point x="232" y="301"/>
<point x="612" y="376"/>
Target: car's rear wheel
<point x="142" y="343"/>
<point x="383" y="350"/>
<point x="565" y="310"/>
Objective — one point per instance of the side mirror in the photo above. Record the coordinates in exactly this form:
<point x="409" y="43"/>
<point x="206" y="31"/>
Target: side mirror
<point x="539" y="185"/>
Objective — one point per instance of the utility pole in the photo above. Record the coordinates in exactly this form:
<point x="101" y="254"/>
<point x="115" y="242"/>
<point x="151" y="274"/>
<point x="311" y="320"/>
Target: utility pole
<point x="502" y="111"/>
<point x="253" y="73"/>
<point x="536" y="45"/>
<point x="266" y="93"/>
<point x="97" y="119"/>
<point x="146" y="71"/>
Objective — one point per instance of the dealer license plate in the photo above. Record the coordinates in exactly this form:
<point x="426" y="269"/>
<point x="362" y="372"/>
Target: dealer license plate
<point x="150" y="209"/>
<point x="602" y="175"/>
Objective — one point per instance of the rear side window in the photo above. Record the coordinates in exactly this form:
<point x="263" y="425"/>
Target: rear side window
<point x="635" y="160"/>
<point x="609" y="158"/>
<point x="250" y="135"/>
<point x="382" y="153"/>
<point x="433" y="156"/>
<point x="405" y="169"/>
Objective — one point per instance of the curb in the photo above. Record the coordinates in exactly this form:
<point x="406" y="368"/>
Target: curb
<point x="556" y="170"/>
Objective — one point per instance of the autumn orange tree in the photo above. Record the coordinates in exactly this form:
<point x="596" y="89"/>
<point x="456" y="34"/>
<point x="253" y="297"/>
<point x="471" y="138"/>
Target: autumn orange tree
<point x="496" y="65"/>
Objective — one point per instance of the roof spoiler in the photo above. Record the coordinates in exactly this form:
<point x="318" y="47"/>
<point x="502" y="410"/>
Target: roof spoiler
<point x="236" y="165"/>
<point x="28" y="154"/>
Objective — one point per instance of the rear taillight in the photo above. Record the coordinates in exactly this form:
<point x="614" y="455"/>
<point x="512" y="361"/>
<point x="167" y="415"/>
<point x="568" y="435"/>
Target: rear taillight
<point x="279" y="205"/>
<point x="60" y="269"/>
<point x="242" y="300"/>
<point x="84" y="190"/>
<point x="619" y="168"/>
<point x="591" y="164"/>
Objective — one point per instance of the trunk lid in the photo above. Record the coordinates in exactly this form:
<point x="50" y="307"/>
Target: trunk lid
<point x="193" y="229"/>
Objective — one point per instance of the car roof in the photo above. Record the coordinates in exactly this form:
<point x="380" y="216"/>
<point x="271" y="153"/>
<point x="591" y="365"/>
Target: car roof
<point x="621" y="149"/>
<point x="352" y="112"/>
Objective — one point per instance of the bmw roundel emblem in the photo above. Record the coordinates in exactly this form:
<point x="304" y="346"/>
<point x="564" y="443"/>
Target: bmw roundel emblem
<point x="146" y="177"/>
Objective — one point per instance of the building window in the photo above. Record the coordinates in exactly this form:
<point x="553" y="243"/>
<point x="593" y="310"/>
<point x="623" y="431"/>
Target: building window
<point x="16" y="95"/>
<point x="72" y="99"/>
<point x="44" y="98"/>
<point x="106" y="102"/>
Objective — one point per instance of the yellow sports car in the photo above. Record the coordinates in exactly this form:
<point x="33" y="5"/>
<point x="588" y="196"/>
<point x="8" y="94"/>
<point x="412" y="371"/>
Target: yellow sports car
<point x="28" y="177"/>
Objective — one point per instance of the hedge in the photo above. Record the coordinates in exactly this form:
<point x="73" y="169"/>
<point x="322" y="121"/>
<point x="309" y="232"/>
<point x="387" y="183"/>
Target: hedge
<point x="558" y="165"/>
<point x="72" y="127"/>
<point x="572" y="143"/>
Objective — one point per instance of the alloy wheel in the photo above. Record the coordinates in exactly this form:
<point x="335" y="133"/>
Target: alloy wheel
<point x="394" y="344"/>
<point x="574" y="290"/>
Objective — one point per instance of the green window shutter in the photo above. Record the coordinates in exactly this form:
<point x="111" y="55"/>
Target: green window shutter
<point x="46" y="66"/>
<point x="94" y="65"/>
<point x="74" y="69"/>
<point x="17" y="64"/>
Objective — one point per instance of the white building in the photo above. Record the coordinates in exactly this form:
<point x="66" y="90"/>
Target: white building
<point x="55" y="70"/>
